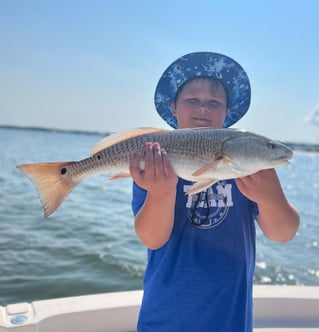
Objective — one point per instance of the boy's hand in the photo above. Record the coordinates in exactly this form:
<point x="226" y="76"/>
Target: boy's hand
<point x="158" y="176"/>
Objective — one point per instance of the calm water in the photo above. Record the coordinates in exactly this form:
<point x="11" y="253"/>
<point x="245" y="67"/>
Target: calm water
<point x="89" y="245"/>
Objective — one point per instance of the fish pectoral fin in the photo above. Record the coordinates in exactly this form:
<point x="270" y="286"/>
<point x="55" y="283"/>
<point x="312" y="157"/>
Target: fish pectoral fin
<point x="200" y="186"/>
<point x="120" y="175"/>
<point x="230" y="163"/>
<point x="209" y="166"/>
<point x="122" y="136"/>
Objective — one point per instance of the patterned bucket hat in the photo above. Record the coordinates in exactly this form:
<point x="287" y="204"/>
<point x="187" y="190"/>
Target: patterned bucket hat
<point x="204" y="64"/>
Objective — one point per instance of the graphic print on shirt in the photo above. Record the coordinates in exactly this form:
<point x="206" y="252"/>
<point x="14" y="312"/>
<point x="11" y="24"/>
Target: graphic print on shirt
<point x="209" y="208"/>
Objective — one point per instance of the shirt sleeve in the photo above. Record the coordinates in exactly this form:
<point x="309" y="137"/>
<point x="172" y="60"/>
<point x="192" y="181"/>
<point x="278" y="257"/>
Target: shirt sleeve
<point x="139" y="195"/>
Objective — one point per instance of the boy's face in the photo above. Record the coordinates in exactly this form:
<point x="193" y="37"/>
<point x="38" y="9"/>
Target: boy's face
<point x="200" y="103"/>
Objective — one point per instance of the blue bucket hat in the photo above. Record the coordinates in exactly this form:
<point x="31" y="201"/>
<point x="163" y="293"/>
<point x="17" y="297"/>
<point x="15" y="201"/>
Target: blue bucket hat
<point x="204" y="64"/>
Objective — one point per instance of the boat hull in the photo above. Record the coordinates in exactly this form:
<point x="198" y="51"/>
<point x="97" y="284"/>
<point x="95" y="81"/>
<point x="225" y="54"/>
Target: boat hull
<point x="276" y="308"/>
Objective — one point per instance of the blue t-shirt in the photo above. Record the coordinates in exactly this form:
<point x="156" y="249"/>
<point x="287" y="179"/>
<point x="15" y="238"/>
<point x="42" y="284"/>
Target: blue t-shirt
<point x="201" y="279"/>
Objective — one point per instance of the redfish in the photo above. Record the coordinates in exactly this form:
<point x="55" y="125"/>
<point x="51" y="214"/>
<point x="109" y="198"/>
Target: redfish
<point x="201" y="155"/>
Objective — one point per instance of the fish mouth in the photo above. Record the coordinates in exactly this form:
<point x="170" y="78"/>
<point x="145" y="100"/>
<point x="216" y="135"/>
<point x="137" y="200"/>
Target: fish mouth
<point x="283" y="160"/>
<point x="285" y="157"/>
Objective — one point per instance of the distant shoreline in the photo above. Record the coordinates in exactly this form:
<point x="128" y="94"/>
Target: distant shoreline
<point x="72" y="131"/>
<point x="308" y="147"/>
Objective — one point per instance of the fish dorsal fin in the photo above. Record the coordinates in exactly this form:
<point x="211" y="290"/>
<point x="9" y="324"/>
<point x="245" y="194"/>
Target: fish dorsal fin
<point x="122" y="136"/>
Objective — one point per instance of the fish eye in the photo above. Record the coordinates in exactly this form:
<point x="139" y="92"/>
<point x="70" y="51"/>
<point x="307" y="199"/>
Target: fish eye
<point x="271" y="145"/>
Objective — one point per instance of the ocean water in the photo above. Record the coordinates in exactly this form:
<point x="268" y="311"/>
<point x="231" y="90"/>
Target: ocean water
<point x="89" y="245"/>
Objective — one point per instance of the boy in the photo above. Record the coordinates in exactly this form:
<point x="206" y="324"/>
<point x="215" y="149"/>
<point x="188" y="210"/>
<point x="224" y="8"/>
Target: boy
<point x="201" y="254"/>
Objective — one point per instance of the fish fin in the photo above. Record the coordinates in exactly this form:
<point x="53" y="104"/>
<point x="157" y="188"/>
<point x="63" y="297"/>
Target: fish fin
<point x="230" y="163"/>
<point x="51" y="185"/>
<point x="120" y="175"/>
<point x="200" y="186"/>
<point x="122" y="136"/>
<point x="209" y="166"/>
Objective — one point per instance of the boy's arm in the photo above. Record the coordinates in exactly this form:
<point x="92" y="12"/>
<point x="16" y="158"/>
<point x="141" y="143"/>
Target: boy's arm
<point x="154" y="222"/>
<point x="277" y="218"/>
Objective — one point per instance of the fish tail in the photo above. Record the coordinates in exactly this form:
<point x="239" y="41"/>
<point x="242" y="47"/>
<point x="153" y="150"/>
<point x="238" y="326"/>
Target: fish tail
<point x="51" y="181"/>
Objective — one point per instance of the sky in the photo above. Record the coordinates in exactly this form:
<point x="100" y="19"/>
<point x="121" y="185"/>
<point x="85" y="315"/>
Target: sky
<point x="93" y="65"/>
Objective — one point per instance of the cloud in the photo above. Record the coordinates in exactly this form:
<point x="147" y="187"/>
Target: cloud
<point x="313" y="117"/>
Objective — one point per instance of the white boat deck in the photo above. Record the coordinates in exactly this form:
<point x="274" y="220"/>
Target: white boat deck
<point x="277" y="308"/>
